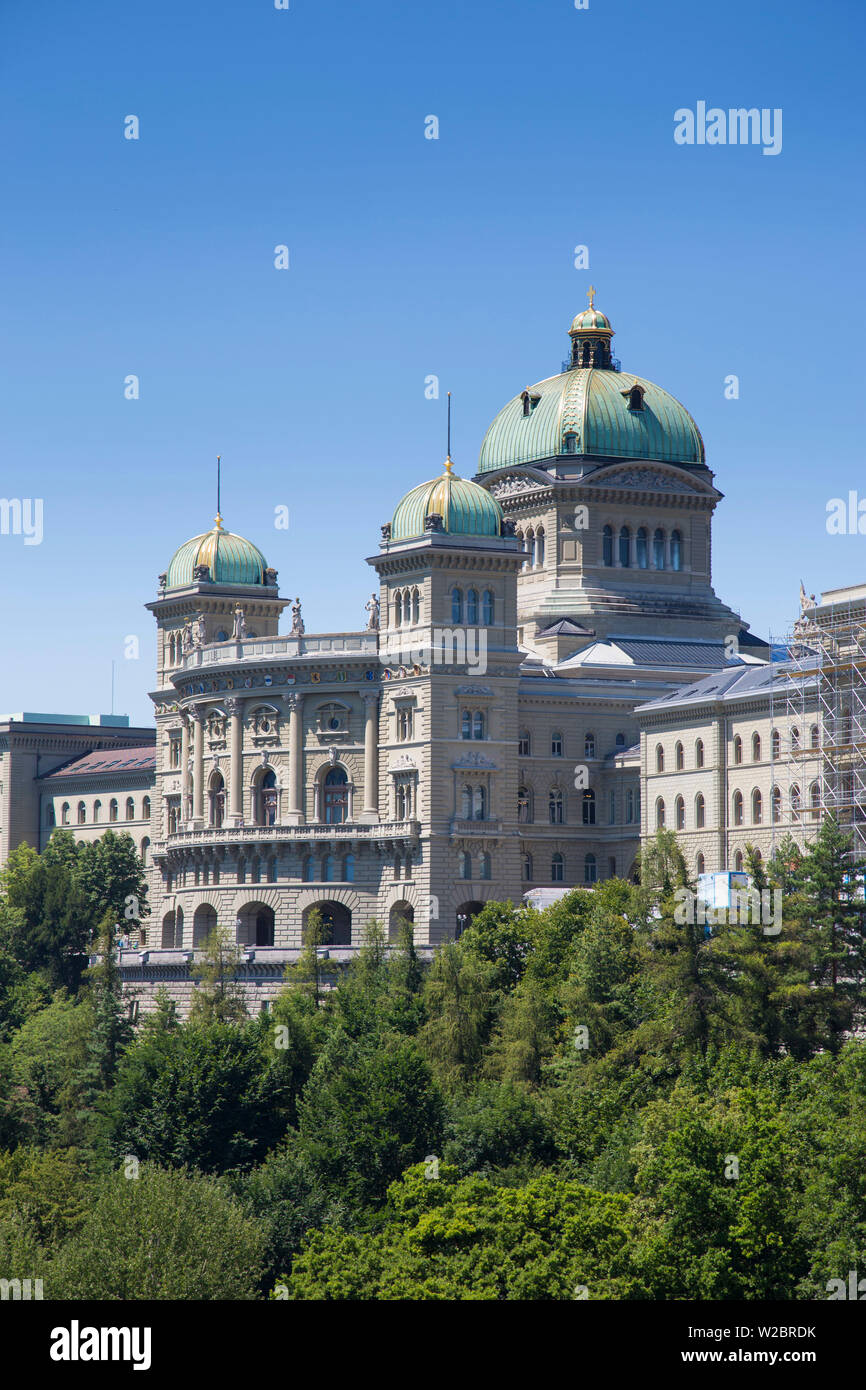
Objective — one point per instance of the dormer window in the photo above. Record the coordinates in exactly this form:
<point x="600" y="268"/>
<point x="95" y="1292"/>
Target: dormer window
<point x="529" y="401"/>
<point x="634" y="397"/>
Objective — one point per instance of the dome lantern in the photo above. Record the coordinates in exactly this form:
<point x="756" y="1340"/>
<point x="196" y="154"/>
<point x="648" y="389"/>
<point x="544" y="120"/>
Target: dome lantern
<point x="590" y="335"/>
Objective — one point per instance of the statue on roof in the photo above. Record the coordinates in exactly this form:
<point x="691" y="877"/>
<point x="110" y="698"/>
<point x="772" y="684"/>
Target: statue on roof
<point x="239" y="631"/>
<point x="372" y="607"/>
<point x="297" y="620"/>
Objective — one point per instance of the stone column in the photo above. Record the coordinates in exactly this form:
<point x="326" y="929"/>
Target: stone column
<point x="184" y="771"/>
<point x="197" y="715"/>
<point x="295" y="813"/>
<point x="371" y="758"/>
<point x="236" y="805"/>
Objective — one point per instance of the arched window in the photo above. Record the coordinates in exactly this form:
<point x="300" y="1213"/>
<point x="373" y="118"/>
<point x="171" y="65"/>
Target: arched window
<point x="539" y="546"/>
<point x="658" y="548"/>
<point x="527" y="868"/>
<point x="144" y="850"/>
<point x="530" y="546"/>
<point x="416" y="606"/>
<point x="700" y="811"/>
<point x="590" y="869"/>
<point x="589" y="806"/>
<point x="795" y="737"/>
<point x="660" y="813"/>
<point x="554" y="806"/>
<point x="97" y="811"/>
<point x="145" y="808"/>
<point x="624" y="547"/>
<point x="756" y="748"/>
<point x="589" y="745"/>
<point x="620" y="740"/>
<point x="700" y="864"/>
<point x="815" y="736"/>
<point x="466" y="724"/>
<point x="266" y="799"/>
<point x="571" y="443"/>
<point x="524" y="743"/>
<point x="738" y="749"/>
<point x="488" y="608"/>
<point x="484" y="866"/>
<point x="327" y="874"/>
<point x="642" y="548"/>
<point x="398" y="609"/>
<point x="679" y="753"/>
<point x="676" y="550"/>
<point x="629" y="806"/>
<point x="775" y="745"/>
<point x="607" y="546"/>
<point x="795" y="801"/>
<point x="336" y="796"/>
<point x="738" y="808"/>
<point x="478" y="724"/>
<point x="557" y="868"/>
<point x="556" y="744"/>
<point x="660" y="758"/>
<point x="466" y="803"/>
<point x="130" y="808"/>
<point x="82" y="813"/>
<point x="635" y="398"/>
<point x="815" y="800"/>
<point x="457" y="605"/>
<point x="112" y="809"/>
<point x="777" y="805"/>
<point x="309" y="870"/>
<point x="524" y="805"/>
<point x="472" y="606"/>
<point x="479" y="803"/>
<point x="757" y="807"/>
<point x="465" y="865"/>
<point x="738" y="862"/>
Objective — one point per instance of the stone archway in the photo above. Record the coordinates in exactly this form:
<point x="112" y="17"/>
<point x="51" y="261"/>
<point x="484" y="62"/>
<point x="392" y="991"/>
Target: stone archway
<point x="464" y="916"/>
<point x="203" y="923"/>
<point x="255" y="925"/>
<point x="336" y="922"/>
<point x="402" y="913"/>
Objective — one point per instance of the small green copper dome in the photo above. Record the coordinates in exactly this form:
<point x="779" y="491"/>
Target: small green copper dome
<point x="588" y="319"/>
<point x="465" y="508"/>
<point x="592" y="412"/>
<point x="231" y="559"/>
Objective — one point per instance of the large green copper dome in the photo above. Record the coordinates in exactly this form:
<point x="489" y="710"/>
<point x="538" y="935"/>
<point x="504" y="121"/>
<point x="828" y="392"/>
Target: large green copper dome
<point x="591" y="410"/>
<point x="465" y="508"/>
<point x="231" y="559"/>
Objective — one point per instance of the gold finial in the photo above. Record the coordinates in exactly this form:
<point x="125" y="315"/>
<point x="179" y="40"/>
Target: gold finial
<point x="591" y="296"/>
<point x="218" y="521"/>
<point x="448" y="465"/>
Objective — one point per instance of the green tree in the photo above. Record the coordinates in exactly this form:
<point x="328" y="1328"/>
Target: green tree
<point x="219" y="997"/>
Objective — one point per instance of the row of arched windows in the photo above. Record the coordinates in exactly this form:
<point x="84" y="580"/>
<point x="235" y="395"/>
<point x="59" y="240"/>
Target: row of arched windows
<point x="485" y="866"/>
<point x="532" y="540"/>
<point x="329" y="868"/>
<point x="407" y="607"/>
<point x="556" y="806"/>
<point x="96" y="812"/>
<point x="738" y="747"/>
<point x="557" y="744"/>
<point x="738" y="807"/>
<point x="466" y="608"/>
<point x="557" y="868"/>
<point x="634" y="549"/>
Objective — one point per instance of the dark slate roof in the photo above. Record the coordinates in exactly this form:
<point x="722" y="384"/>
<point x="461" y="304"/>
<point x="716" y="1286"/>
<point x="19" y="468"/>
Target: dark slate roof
<point x="734" y="683"/>
<point x="565" y="627"/>
<point x="679" y="653"/>
<point x="108" y="762"/>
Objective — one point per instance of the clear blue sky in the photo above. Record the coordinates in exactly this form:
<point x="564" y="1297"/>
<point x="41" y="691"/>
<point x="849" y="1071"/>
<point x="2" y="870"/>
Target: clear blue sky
<point x="408" y="257"/>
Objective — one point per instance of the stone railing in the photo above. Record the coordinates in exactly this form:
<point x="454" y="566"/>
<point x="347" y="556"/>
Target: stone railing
<point x="476" y="827"/>
<point x="276" y="834"/>
<point x="346" y="644"/>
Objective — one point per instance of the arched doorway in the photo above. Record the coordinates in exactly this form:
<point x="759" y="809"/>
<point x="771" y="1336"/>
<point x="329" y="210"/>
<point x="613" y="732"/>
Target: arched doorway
<point x="402" y="914"/>
<point x="464" y="916"/>
<point x="255" y="925"/>
<point x="335" y="796"/>
<point x="203" y="923"/>
<point x="336" y="923"/>
<point x="168" y="931"/>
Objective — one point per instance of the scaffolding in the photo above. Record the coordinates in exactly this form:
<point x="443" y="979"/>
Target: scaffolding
<point x="824" y="702"/>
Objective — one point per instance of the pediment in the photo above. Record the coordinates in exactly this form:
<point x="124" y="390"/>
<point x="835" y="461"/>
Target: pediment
<point x="645" y="478"/>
